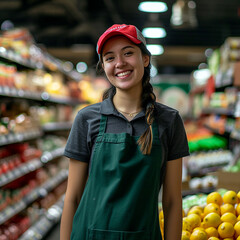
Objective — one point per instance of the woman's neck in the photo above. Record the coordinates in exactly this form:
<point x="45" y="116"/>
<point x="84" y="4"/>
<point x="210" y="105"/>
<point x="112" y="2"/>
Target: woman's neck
<point x="127" y="102"/>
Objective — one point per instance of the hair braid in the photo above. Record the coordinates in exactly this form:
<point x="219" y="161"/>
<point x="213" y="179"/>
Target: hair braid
<point x="148" y="99"/>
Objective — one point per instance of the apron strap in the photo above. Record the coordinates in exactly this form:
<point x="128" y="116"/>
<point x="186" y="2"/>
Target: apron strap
<point x="103" y="123"/>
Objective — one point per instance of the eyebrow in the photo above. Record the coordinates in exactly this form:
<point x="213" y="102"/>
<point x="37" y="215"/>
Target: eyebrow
<point x="121" y="50"/>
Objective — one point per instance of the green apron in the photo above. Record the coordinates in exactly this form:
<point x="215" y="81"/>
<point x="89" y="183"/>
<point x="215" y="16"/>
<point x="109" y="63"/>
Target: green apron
<point x="120" y="200"/>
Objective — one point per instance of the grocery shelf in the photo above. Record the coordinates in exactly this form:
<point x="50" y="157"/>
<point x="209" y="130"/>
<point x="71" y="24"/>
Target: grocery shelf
<point x="220" y="111"/>
<point x="30" y="166"/>
<point x="44" y="96"/>
<point x="235" y="135"/>
<point x="57" y="126"/>
<point x="12" y="138"/>
<point x="46" y="222"/>
<point x="41" y="191"/>
<point x="197" y="191"/>
<point x="16" y="58"/>
<point x="50" y="155"/>
<point x="20" y="171"/>
<point x="214" y="130"/>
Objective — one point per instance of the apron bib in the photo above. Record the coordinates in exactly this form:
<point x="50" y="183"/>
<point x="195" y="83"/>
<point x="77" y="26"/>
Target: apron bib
<point x="120" y="200"/>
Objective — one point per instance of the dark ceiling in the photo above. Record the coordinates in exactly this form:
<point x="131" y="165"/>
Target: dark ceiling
<point x="69" y="29"/>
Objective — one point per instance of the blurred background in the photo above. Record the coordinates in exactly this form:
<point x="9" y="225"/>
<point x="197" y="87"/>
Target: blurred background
<point x="48" y="73"/>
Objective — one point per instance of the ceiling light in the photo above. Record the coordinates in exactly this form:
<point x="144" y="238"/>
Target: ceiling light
<point x="81" y="67"/>
<point x="154" y="32"/>
<point x="184" y="14"/>
<point x="153" y="6"/>
<point x="155" y="49"/>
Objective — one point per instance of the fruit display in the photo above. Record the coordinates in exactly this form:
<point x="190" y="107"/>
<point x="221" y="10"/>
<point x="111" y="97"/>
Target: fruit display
<point x="215" y="216"/>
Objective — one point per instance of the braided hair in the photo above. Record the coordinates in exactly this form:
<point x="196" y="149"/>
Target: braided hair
<point x="148" y="100"/>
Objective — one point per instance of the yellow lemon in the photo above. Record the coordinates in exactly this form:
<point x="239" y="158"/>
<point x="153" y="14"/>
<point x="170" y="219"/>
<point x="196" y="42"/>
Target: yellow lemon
<point x="199" y="235"/>
<point x="226" y="230"/>
<point x="183" y="213"/>
<point x="195" y="211"/>
<point x="238" y="209"/>
<point x="211" y="207"/>
<point x="186" y="233"/>
<point x="161" y="215"/>
<point x="213" y="238"/>
<point x="229" y="217"/>
<point x="214" y="197"/>
<point x="212" y="220"/>
<point x="186" y="225"/>
<point x="194" y="220"/>
<point x="237" y="228"/>
<point x="238" y="238"/>
<point x="238" y="218"/>
<point x="184" y="237"/>
<point x="238" y="196"/>
<point x="230" y="197"/>
<point x="203" y="225"/>
<point x="211" y="232"/>
<point x="198" y="228"/>
<point x="227" y="207"/>
<point x="228" y="239"/>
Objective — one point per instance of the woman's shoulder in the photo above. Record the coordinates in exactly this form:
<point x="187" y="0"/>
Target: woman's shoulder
<point x="90" y="111"/>
<point x="165" y="111"/>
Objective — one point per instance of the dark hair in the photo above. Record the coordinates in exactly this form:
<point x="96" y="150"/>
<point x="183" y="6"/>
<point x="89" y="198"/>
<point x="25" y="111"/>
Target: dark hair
<point x="148" y="100"/>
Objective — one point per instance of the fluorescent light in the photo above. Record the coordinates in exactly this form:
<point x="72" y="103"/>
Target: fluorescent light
<point x="153" y="7"/>
<point x="154" y="32"/>
<point x="155" y="49"/>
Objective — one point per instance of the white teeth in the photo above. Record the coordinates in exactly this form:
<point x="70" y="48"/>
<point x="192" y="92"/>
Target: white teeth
<point x="123" y="74"/>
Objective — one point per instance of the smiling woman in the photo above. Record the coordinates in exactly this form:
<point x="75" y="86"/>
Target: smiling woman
<point x="125" y="148"/>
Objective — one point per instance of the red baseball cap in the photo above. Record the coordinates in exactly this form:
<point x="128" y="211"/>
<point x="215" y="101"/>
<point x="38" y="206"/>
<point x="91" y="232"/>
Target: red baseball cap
<point x="129" y="31"/>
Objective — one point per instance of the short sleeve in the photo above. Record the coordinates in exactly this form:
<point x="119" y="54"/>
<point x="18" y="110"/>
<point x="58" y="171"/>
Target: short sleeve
<point x="178" y="144"/>
<point x="77" y="146"/>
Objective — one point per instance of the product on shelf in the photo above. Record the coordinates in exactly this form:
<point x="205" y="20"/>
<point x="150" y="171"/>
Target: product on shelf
<point x="206" y="216"/>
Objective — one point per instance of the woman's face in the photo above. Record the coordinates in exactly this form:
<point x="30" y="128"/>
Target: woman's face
<point x="123" y="63"/>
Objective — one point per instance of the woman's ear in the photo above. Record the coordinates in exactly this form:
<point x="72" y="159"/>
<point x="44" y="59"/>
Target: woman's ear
<point x="146" y="60"/>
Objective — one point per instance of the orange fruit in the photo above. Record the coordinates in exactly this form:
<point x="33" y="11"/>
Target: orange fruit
<point x="229" y="217"/>
<point x="194" y="220"/>
<point x="212" y="220"/>
<point x="227" y="207"/>
<point x="238" y="209"/>
<point x="199" y="235"/>
<point x="211" y="207"/>
<point x="211" y="232"/>
<point x="213" y="238"/>
<point x="214" y="197"/>
<point x="225" y="230"/>
<point x="230" y="197"/>
<point x="237" y="228"/>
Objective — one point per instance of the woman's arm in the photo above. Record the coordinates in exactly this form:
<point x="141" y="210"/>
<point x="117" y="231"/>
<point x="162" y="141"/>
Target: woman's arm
<point x="77" y="177"/>
<point x="172" y="200"/>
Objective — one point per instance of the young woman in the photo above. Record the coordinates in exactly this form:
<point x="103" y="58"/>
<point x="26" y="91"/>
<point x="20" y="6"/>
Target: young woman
<point x="122" y="150"/>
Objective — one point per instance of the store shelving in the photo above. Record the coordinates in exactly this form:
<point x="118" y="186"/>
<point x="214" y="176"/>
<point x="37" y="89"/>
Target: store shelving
<point x="220" y="111"/>
<point x="12" y="138"/>
<point x="30" y="166"/>
<point x="57" y="126"/>
<point x="46" y="222"/>
<point x="39" y="192"/>
<point x="44" y="96"/>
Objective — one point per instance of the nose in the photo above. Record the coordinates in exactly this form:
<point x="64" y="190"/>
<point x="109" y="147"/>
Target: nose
<point x="120" y="62"/>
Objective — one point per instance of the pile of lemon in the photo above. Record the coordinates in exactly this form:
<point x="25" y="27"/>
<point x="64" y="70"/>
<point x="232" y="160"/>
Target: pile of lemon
<point x="219" y="219"/>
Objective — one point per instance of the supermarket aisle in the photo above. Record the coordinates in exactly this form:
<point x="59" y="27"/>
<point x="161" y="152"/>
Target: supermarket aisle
<point x="54" y="234"/>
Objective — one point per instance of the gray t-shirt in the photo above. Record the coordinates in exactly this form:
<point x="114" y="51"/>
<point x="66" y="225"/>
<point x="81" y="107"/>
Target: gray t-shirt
<point x="85" y="129"/>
